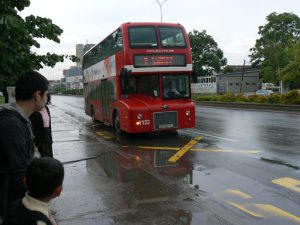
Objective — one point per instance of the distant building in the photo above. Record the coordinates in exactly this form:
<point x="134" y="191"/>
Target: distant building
<point x="74" y="77"/>
<point x="79" y="53"/>
<point x="237" y="82"/>
<point x="53" y="83"/>
<point x="239" y="68"/>
<point x="80" y="50"/>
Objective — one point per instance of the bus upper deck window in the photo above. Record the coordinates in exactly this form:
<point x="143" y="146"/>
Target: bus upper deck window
<point x="144" y="36"/>
<point x="171" y="37"/>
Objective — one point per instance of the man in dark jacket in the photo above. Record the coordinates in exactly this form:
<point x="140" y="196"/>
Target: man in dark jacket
<point x="16" y="137"/>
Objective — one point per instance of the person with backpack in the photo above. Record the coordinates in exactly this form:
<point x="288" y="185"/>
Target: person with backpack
<point x="16" y="136"/>
<point x="43" y="180"/>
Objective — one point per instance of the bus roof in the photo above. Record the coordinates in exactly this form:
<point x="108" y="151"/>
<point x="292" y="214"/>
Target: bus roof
<point x="127" y="24"/>
<point x="150" y="23"/>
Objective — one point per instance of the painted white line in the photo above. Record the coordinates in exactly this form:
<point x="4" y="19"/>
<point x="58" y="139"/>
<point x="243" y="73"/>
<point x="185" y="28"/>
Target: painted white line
<point x="209" y="135"/>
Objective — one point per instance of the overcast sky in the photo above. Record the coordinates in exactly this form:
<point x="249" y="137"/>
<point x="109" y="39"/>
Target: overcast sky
<point x="233" y="24"/>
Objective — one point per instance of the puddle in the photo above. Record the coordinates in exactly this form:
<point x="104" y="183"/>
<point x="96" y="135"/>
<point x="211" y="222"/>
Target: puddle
<point x="138" y="164"/>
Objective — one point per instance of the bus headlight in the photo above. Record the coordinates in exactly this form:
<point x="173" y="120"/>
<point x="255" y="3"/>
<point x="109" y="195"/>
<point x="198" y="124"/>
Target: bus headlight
<point x="188" y="112"/>
<point x="139" y="116"/>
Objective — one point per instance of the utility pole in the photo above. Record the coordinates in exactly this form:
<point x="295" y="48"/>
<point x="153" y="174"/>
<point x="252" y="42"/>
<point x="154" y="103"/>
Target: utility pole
<point x="243" y="71"/>
<point x="160" y="7"/>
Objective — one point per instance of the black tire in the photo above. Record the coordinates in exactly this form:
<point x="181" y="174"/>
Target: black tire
<point x="93" y="115"/>
<point x="117" y="123"/>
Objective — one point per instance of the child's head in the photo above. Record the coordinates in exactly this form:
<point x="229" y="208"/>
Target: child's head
<point x="44" y="177"/>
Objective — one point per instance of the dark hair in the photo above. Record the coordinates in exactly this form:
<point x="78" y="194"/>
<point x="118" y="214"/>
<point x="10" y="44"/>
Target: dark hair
<point x="30" y="82"/>
<point x="43" y="176"/>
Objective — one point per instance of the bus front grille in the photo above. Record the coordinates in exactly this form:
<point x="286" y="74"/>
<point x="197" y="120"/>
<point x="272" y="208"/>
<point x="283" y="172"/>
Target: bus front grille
<point x="165" y="120"/>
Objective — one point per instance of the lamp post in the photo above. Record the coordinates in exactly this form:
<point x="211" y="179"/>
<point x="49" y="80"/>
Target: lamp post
<point x="160" y="7"/>
<point x="241" y="83"/>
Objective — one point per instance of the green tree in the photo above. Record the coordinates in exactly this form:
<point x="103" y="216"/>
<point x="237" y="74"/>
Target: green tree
<point x="291" y="72"/>
<point x="227" y="69"/>
<point x="270" y="52"/>
<point x="207" y="57"/>
<point x="17" y="38"/>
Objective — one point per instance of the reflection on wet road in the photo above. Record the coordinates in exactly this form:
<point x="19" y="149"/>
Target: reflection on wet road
<point x="237" y="173"/>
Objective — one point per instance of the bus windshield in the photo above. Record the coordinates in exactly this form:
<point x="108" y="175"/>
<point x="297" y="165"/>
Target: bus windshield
<point x="171" y="37"/>
<point x="175" y="86"/>
<point x="146" y="85"/>
<point x="144" y="36"/>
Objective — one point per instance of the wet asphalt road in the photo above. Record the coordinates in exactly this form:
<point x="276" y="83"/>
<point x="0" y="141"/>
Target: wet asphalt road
<point x="244" y="170"/>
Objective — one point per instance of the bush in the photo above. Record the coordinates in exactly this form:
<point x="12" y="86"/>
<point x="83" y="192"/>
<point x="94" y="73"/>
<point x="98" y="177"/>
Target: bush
<point x="228" y="97"/>
<point x="274" y="99"/>
<point x="63" y="90"/>
<point x="241" y="98"/>
<point x="206" y="97"/>
<point x="252" y="98"/>
<point x="260" y="99"/>
<point x="292" y="97"/>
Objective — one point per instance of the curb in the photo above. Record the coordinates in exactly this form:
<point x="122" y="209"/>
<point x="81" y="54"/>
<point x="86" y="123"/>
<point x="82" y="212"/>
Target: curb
<point x="259" y="106"/>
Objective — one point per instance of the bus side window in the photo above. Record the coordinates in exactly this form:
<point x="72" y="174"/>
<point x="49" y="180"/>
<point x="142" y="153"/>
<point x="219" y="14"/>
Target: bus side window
<point x="118" y="39"/>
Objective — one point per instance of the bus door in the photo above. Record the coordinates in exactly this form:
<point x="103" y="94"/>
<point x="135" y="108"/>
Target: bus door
<point x="105" y="99"/>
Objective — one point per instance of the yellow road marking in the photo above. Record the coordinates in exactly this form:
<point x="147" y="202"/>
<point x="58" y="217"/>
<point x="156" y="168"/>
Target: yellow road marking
<point x="289" y="183"/>
<point x="184" y="149"/>
<point x="238" y="193"/>
<point x="261" y="210"/>
<point x="99" y="133"/>
<point x="277" y="211"/>
<point x="103" y="135"/>
<point x="107" y="137"/>
<point x="159" y="148"/>
<point x="243" y="208"/>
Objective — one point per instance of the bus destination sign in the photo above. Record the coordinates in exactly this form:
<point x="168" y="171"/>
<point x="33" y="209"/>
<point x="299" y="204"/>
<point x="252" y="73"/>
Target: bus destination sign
<point x="159" y="60"/>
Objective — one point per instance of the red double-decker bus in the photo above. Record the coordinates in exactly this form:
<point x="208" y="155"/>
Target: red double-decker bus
<point x="138" y="78"/>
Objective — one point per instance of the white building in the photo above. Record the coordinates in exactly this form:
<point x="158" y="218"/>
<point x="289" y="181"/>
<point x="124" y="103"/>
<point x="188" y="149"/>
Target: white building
<point x="246" y="82"/>
<point x="74" y="77"/>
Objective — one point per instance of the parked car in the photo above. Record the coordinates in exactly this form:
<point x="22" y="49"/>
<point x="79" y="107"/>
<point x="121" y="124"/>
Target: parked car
<point x="264" y="92"/>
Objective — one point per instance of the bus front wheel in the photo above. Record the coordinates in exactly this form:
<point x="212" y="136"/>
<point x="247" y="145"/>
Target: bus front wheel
<point x="117" y="123"/>
<point x="93" y="114"/>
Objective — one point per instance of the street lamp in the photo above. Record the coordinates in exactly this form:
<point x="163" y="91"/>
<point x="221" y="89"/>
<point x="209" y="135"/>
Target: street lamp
<point x="160" y="7"/>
